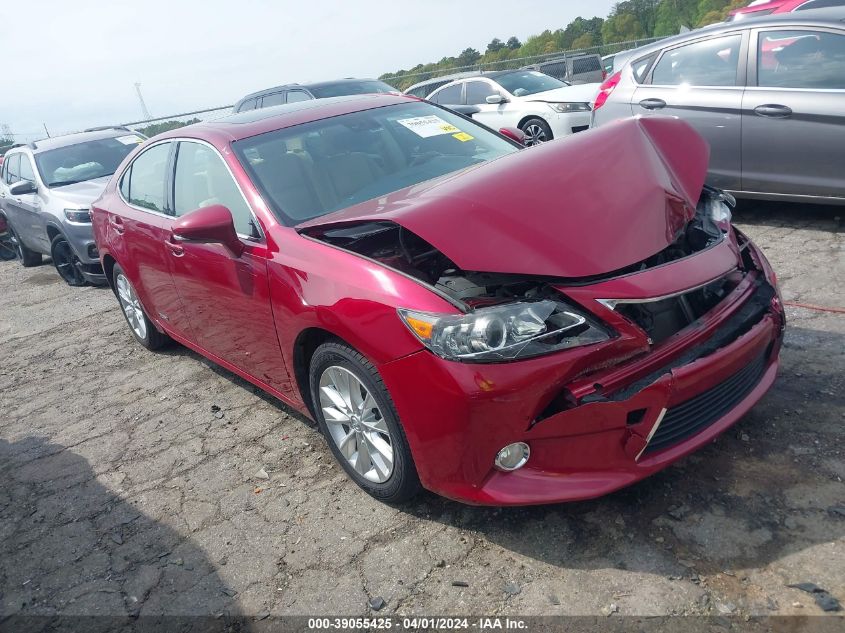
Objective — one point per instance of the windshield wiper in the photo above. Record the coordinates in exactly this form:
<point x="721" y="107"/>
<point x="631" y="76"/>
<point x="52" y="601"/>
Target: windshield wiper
<point x="62" y="183"/>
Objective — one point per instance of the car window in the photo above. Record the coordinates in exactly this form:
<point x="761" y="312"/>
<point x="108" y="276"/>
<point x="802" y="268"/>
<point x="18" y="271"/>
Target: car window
<point x="820" y="4"/>
<point x="521" y="83"/>
<point x="146" y="178"/>
<point x="26" y="169"/>
<point x="276" y="98"/>
<point x="449" y="96"/>
<point x="478" y="91"/>
<point x="308" y="170"/>
<point x="298" y="95"/>
<point x="202" y="179"/>
<point x="640" y="67"/>
<point x="556" y="69"/>
<point x="351" y="88"/>
<point x="14" y="173"/>
<point x="710" y="62"/>
<point x="84" y="161"/>
<point x="586" y="64"/>
<point x="248" y="105"/>
<point x="801" y="59"/>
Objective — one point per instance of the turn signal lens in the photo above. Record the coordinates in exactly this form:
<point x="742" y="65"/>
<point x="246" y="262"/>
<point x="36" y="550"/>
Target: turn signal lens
<point x="421" y="328"/>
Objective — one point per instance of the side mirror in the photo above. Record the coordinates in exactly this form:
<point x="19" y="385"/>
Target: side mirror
<point x="22" y="188"/>
<point x="514" y="134"/>
<point x="212" y="224"/>
<point x="495" y="99"/>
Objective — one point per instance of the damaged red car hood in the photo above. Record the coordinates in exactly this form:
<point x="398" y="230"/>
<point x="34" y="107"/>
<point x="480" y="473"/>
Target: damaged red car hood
<point x="591" y="204"/>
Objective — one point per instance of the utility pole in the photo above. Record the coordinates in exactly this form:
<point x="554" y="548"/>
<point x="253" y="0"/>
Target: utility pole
<point x="144" y="110"/>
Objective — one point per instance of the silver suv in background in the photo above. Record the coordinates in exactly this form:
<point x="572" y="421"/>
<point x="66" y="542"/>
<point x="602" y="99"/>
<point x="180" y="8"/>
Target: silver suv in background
<point x="767" y="94"/>
<point x="46" y="190"/>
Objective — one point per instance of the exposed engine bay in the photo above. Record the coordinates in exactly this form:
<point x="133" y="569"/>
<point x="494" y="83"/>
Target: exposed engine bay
<point x="396" y="247"/>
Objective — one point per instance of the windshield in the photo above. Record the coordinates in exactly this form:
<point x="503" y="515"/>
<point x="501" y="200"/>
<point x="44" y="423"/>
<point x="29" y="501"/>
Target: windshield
<point x="528" y="82"/>
<point x="84" y="161"/>
<point x="312" y="169"/>
<point x="351" y="88"/>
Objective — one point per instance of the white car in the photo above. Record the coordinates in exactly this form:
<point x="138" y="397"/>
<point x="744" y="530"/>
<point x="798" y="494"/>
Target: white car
<point x="541" y="106"/>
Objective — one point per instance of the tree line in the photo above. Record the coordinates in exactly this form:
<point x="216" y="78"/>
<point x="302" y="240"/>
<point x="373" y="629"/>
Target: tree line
<point x="628" y="21"/>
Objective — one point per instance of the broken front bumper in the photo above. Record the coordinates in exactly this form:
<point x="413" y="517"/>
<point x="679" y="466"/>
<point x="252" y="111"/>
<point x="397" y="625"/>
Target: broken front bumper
<point x="616" y="425"/>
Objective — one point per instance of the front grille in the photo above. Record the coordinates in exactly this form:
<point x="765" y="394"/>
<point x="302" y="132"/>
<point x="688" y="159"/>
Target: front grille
<point x="697" y="413"/>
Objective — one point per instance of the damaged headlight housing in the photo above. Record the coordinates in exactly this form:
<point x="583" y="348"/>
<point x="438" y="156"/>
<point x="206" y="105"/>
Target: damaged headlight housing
<point x="504" y="332"/>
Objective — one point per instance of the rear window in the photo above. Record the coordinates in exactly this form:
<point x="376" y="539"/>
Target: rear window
<point x="590" y="64"/>
<point x="351" y="88"/>
<point x="316" y="168"/>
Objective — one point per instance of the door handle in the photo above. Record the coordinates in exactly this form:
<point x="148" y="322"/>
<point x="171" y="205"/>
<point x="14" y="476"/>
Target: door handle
<point x="175" y="249"/>
<point x="773" y="111"/>
<point x="116" y="224"/>
<point x="653" y="104"/>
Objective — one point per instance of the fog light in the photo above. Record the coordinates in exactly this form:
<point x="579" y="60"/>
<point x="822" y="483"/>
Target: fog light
<point x="513" y="456"/>
<point x="93" y="253"/>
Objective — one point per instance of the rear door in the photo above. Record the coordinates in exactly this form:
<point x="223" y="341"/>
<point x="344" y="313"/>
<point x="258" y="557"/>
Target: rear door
<point x="702" y="83"/>
<point x="793" y="130"/>
<point x="226" y="298"/>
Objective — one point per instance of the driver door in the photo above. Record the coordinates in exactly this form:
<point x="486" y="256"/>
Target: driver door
<point x="226" y="298"/>
<point x="493" y="115"/>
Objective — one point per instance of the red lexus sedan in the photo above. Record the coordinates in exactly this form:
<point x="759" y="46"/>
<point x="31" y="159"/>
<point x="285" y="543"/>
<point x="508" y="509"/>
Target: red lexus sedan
<point x="495" y="324"/>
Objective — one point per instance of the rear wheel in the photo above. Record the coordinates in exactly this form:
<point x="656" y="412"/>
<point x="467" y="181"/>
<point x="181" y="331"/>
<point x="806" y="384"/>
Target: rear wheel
<point x="66" y="261"/>
<point x="356" y="415"/>
<point x="139" y="323"/>
<point x="536" y="131"/>
<point x="28" y="258"/>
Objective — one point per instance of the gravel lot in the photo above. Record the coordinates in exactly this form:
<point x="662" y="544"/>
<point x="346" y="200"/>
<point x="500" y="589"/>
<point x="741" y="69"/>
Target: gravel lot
<point x="123" y="489"/>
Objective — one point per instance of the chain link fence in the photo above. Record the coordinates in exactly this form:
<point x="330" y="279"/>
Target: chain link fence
<point x="151" y="127"/>
<point x="404" y="80"/>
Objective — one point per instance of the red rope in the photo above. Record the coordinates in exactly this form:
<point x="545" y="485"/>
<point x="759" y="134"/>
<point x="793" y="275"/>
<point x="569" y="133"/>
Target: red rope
<point x="810" y="306"/>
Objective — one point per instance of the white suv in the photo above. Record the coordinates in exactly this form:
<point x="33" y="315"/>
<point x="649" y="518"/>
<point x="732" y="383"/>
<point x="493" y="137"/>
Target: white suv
<point x="541" y="106"/>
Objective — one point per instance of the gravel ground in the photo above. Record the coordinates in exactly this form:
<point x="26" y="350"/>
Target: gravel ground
<point x="123" y="490"/>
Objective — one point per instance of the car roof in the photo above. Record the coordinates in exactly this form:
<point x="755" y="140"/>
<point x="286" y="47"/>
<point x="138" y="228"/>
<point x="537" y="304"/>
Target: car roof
<point x="66" y="140"/>
<point x="446" y="78"/>
<point x="308" y="86"/>
<point x="813" y="17"/>
<point x="242" y="125"/>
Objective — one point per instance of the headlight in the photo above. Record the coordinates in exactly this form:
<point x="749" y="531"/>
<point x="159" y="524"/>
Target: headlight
<point x="719" y="205"/>
<point x="81" y="216"/>
<point x="570" y="107"/>
<point x="505" y="332"/>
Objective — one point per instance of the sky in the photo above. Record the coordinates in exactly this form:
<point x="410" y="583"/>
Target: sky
<point x="77" y="62"/>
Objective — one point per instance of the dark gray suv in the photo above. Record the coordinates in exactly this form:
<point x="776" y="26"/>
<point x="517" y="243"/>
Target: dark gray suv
<point x="767" y="94"/>
<point x="46" y="190"/>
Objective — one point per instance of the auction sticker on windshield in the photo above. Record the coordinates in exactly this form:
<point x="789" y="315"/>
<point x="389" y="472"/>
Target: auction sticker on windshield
<point x="130" y="139"/>
<point x="427" y="126"/>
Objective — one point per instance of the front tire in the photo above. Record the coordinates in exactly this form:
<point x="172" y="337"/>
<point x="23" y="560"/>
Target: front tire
<point x="356" y="415"/>
<point x="536" y="131"/>
<point x="66" y="261"/>
<point x="139" y="323"/>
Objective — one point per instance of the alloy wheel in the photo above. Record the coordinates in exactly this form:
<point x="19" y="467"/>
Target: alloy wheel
<point x="356" y="424"/>
<point x="131" y="306"/>
<point x="67" y="263"/>
<point x="16" y="244"/>
<point x="534" y="135"/>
